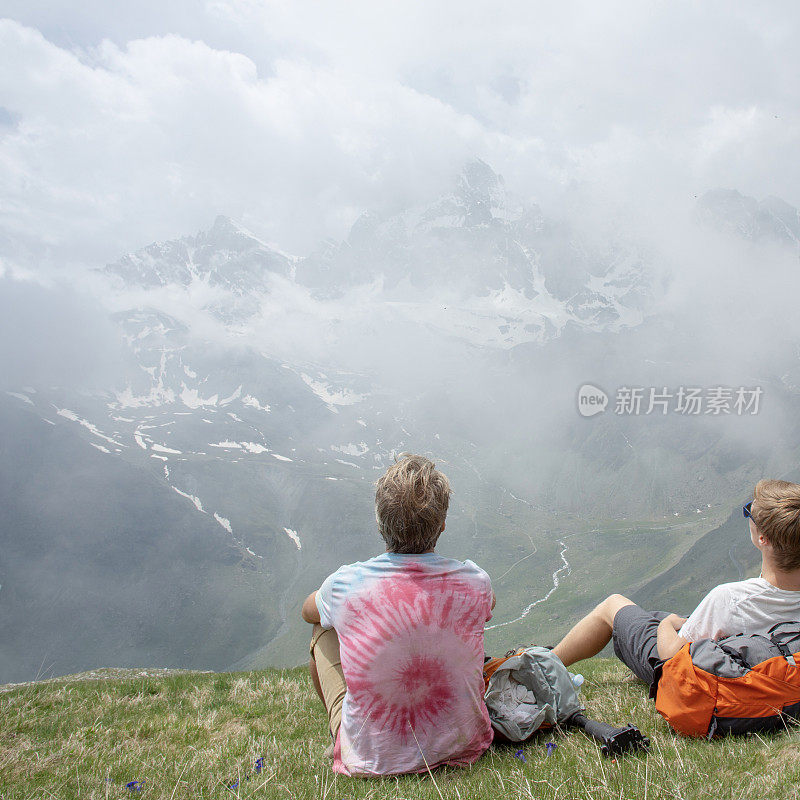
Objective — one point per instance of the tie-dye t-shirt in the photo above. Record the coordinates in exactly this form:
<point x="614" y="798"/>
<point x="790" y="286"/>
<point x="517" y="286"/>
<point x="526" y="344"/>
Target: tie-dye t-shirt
<point x="410" y="630"/>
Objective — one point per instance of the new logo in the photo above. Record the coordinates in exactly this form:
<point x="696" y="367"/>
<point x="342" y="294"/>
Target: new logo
<point x="591" y="400"/>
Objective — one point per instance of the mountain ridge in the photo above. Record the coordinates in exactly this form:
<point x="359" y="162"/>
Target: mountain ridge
<point x="264" y="404"/>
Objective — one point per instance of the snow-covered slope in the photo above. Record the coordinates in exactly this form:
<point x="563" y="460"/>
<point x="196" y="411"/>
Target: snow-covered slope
<point x="502" y="272"/>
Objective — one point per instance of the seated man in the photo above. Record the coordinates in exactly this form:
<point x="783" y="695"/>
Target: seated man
<point x="642" y="640"/>
<point x="397" y="645"/>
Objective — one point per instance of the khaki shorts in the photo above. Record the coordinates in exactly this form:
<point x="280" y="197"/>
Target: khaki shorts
<point x="325" y="652"/>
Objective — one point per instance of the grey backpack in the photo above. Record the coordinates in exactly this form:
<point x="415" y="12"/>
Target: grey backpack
<point x="527" y="689"/>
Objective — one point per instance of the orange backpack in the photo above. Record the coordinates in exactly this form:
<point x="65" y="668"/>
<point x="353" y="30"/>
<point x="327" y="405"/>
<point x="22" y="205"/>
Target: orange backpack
<point x="490" y="665"/>
<point x="737" y="685"/>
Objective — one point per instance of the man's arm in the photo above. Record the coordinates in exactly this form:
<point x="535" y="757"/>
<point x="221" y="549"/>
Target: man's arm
<point x="310" y="612"/>
<point x="669" y="642"/>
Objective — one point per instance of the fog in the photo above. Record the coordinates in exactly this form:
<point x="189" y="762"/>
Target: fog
<point x="52" y="336"/>
<point x="438" y="222"/>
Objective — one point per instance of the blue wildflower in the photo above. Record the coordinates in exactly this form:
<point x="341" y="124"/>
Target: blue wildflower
<point x="551" y="746"/>
<point x="134" y="786"/>
<point x="520" y="755"/>
<point x="259" y="765"/>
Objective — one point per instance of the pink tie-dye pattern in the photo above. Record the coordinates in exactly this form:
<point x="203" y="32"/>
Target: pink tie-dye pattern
<point x="412" y="647"/>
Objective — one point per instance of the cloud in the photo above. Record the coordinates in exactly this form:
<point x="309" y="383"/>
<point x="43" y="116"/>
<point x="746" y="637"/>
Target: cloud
<point x="295" y="117"/>
<point x="124" y="145"/>
<point x="52" y="336"/>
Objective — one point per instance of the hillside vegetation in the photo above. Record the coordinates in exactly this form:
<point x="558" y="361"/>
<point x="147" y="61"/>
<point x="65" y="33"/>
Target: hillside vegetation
<point x="201" y="735"/>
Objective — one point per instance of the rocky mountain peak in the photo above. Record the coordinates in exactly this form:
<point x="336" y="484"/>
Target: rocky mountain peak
<point x="226" y="232"/>
<point x="225" y="255"/>
<point x="481" y="190"/>
<point x="771" y="218"/>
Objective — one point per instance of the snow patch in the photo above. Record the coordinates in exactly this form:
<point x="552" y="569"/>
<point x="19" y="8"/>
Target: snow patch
<point x="20" y="396"/>
<point x="293" y="535"/>
<point x="237" y="393"/>
<point x="280" y="458"/>
<point x="190" y="373"/>
<point x="100" y="448"/>
<point x="251" y="401"/>
<point x="160" y="458"/>
<point x="196" y="500"/>
<point x="159" y="448"/>
<point x="226" y="523"/>
<point x="254" y="447"/>
<point x="351" y="449"/>
<point x="227" y="445"/>
<point x="330" y="394"/>
<point x="152" y="427"/>
<point x="158" y="395"/>
<point x="191" y="398"/>
<point x="71" y="415"/>
<point x="348" y="463"/>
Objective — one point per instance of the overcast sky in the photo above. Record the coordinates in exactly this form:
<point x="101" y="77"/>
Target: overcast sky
<point x="122" y="123"/>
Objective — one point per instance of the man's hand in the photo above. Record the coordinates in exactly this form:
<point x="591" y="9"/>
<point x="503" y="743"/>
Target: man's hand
<point x="310" y="612"/>
<point x="676" y="621"/>
<point x="668" y="640"/>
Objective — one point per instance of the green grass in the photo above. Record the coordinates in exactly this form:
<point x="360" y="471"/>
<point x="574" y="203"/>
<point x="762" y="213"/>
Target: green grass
<point x="191" y="735"/>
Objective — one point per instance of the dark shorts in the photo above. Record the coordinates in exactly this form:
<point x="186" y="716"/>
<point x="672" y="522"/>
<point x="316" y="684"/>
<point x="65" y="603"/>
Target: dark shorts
<point x="635" y="642"/>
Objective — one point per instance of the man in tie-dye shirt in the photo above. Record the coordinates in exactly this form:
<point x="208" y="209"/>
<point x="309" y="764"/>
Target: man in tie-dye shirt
<point x="397" y="646"/>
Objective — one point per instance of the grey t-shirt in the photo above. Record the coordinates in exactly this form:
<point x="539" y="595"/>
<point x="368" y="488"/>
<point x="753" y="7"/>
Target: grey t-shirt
<point x="750" y="606"/>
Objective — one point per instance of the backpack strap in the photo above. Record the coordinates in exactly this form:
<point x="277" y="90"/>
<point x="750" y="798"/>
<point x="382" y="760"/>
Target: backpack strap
<point x="783" y="649"/>
<point x="491" y="665"/>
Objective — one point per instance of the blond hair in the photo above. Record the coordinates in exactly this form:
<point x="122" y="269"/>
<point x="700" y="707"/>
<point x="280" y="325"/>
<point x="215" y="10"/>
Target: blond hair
<point x="411" y="501"/>
<point x="776" y="514"/>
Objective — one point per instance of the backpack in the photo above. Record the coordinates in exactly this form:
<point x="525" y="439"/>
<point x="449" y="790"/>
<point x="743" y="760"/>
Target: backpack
<point x="526" y="690"/>
<point x="739" y="684"/>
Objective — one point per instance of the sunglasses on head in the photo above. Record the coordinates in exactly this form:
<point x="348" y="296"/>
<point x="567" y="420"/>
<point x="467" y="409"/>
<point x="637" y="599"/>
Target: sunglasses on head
<point x="746" y="510"/>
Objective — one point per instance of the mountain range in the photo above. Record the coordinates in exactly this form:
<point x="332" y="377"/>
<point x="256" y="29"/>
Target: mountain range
<point x="178" y="514"/>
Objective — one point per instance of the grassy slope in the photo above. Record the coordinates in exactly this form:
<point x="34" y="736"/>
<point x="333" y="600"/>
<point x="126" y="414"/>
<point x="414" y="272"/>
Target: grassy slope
<point x="191" y="735"/>
<point x="724" y="554"/>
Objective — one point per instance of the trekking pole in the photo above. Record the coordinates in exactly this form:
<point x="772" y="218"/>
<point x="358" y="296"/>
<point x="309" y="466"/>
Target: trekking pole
<point x="613" y="741"/>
